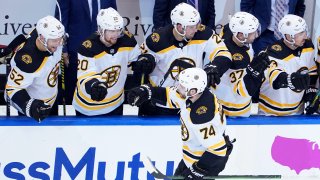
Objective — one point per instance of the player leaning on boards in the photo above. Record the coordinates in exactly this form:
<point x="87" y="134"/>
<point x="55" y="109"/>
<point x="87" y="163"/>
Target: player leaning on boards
<point x="238" y="36"/>
<point x="32" y="83"/>
<point x="205" y="147"/>
<point x="186" y="40"/>
<point x="290" y="80"/>
<point x="102" y="67"/>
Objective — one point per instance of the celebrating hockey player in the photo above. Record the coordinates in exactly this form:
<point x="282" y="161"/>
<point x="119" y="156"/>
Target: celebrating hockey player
<point x="205" y="147"/>
<point x="238" y="36"/>
<point x="290" y="80"/>
<point x="186" y="43"/>
<point x="32" y="83"/>
<point x="102" y="67"/>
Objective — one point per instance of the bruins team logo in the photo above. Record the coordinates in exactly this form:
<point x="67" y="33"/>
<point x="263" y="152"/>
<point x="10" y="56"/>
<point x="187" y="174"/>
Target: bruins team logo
<point x="237" y="57"/>
<point x="87" y="44"/>
<point x="27" y="59"/>
<point x="276" y="47"/>
<point x="111" y="75"/>
<point x="53" y="76"/>
<point x="201" y="27"/>
<point x="201" y="110"/>
<point x="177" y="69"/>
<point x="155" y="37"/>
<point x="184" y="131"/>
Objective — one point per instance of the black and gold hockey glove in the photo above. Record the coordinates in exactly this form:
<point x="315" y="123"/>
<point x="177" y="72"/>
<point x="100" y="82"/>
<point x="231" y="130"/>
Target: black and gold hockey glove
<point x="139" y="95"/>
<point x="145" y="64"/>
<point x="258" y="65"/>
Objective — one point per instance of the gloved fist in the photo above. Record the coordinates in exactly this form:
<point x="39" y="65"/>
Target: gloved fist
<point x="258" y="64"/>
<point x="299" y="81"/>
<point x="138" y="95"/>
<point x="212" y="74"/>
<point x="98" y="91"/>
<point x="194" y="173"/>
<point x="145" y="64"/>
<point x="37" y="109"/>
<point x="312" y="100"/>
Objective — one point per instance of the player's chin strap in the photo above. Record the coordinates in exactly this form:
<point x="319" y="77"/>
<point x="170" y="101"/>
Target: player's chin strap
<point x="184" y="33"/>
<point x="45" y="44"/>
<point x="244" y="42"/>
<point x="291" y="43"/>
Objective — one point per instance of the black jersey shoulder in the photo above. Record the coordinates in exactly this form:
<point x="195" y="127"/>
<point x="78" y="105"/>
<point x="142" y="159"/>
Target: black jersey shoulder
<point x="226" y="32"/>
<point x="279" y="50"/>
<point x="29" y="58"/>
<point x="308" y="44"/>
<point x="203" y="33"/>
<point x="240" y="55"/>
<point x="127" y="40"/>
<point x="160" y="39"/>
<point x="92" y="46"/>
<point x="202" y="110"/>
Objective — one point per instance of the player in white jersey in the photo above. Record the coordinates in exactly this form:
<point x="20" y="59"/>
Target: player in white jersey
<point x="205" y="147"/>
<point x="314" y="105"/>
<point x="185" y="39"/>
<point x="238" y="36"/>
<point x="102" y="67"/>
<point x="32" y="82"/>
<point x="290" y="80"/>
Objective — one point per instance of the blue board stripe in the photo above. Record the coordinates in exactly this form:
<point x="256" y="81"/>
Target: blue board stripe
<point x="156" y="121"/>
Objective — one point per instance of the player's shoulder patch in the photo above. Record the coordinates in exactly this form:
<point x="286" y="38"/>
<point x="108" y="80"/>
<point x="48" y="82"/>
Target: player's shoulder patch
<point x="202" y="111"/>
<point x="160" y="39"/>
<point x="28" y="59"/>
<point x="278" y="50"/>
<point x="276" y="47"/>
<point x="237" y="57"/>
<point x="91" y="46"/>
<point x="155" y="37"/>
<point x="203" y="33"/>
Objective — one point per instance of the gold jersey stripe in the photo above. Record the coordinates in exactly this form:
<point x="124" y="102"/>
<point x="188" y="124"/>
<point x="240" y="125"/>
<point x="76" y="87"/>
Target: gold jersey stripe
<point x="277" y="104"/>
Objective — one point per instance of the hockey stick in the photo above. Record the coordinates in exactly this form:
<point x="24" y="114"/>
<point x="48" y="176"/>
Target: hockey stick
<point x="63" y="86"/>
<point x="177" y="62"/>
<point x="159" y="175"/>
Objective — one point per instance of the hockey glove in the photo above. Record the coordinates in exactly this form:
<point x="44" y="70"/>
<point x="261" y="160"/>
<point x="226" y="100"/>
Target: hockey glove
<point x="139" y="95"/>
<point x="194" y="172"/>
<point x="37" y="109"/>
<point x="299" y="81"/>
<point x="145" y="64"/>
<point x="258" y="65"/>
<point x="212" y="74"/>
<point x="98" y="91"/>
<point x="312" y="100"/>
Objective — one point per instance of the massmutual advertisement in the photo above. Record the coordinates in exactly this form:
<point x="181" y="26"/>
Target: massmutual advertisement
<point x="115" y="152"/>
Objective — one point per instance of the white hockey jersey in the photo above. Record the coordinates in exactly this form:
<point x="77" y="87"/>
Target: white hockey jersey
<point x="33" y="72"/>
<point x="234" y="104"/>
<point x="205" y="45"/>
<point x="106" y="64"/>
<point x="284" y="101"/>
<point x="202" y="125"/>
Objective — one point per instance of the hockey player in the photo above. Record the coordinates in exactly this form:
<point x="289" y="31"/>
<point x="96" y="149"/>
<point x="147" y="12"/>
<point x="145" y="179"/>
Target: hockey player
<point x="290" y="80"/>
<point x="205" y="147"/>
<point x="244" y="28"/>
<point x="102" y="67"/>
<point x="185" y="40"/>
<point x="314" y="105"/>
<point x="32" y="82"/>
